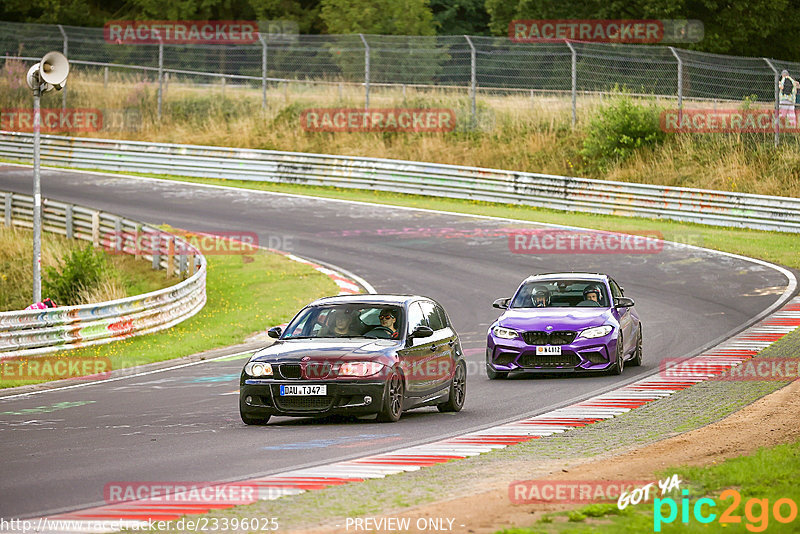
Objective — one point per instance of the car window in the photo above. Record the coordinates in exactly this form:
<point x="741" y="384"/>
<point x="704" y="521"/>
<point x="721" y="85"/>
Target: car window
<point x="564" y="293"/>
<point x="432" y="315"/>
<point x="415" y="317"/>
<point x="443" y="315"/>
<point x="343" y="320"/>
<point x="616" y="292"/>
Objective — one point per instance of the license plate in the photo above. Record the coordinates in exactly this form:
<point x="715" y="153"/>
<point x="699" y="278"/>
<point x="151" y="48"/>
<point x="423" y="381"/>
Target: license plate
<point x="549" y="349"/>
<point x="303" y="390"/>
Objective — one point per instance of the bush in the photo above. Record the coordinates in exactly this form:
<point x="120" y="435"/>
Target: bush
<point x="79" y="270"/>
<point x="619" y="129"/>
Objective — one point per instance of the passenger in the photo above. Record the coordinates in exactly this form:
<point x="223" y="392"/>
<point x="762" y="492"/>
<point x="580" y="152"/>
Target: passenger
<point x="540" y="297"/>
<point x="339" y="325"/>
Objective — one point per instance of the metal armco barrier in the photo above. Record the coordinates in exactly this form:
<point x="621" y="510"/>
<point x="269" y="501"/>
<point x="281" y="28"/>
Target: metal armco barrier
<point x="35" y="332"/>
<point x="541" y="190"/>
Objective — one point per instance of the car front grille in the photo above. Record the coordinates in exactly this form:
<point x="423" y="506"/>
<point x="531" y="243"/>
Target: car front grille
<point x="559" y="337"/>
<point x="289" y="370"/>
<point x="310" y="403"/>
<point x="549" y="360"/>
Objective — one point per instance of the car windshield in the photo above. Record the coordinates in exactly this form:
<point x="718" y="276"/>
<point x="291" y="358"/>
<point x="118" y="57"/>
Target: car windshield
<point x="346" y="320"/>
<point x="561" y="294"/>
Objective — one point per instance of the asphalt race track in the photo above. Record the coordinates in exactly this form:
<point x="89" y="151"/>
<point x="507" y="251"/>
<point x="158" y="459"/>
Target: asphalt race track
<point x="183" y="424"/>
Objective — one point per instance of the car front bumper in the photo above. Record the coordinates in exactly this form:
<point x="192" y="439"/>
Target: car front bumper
<point x="260" y="397"/>
<point x="598" y="354"/>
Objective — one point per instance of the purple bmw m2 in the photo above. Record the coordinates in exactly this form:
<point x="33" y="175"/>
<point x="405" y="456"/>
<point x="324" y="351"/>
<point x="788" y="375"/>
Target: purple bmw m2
<point x="564" y="322"/>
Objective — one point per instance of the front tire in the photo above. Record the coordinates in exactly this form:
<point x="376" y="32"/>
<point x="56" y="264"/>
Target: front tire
<point x="393" y="397"/>
<point x="495" y="375"/>
<point x="619" y="366"/>
<point x="251" y="419"/>
<point x="637" y="353"/>
<point x="458" y="391"/>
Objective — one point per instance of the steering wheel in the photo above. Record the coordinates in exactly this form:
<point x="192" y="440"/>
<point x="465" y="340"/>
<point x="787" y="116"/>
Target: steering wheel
<point x="382" y="328"/>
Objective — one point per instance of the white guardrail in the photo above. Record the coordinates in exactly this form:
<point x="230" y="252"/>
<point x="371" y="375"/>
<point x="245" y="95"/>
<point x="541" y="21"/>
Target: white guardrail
<point x="541" y="190"/>
<point x="34" y="332"/>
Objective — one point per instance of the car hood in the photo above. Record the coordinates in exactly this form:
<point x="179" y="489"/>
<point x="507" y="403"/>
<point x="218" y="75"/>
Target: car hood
<point x="326" y="349"/>
<point x="558" y="318"/>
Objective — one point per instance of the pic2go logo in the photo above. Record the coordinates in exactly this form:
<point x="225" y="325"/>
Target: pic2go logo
<point x="756" y="511"/>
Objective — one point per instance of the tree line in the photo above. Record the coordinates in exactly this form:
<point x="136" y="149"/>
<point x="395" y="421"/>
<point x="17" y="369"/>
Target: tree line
<point x="746" y="28"/>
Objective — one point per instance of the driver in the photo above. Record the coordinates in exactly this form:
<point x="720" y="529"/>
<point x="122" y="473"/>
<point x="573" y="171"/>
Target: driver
<point x="540" y="297"/>
<point x="388" y="320"/>
<point x="591" y="296"/>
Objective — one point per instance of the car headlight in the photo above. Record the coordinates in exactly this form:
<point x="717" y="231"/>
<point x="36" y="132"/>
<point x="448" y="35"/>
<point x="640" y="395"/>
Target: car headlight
<point x="504" y="333"/>
<point x="597" y="331"/>
<point x="360" y="368"/>
<point x="258" y="369"/>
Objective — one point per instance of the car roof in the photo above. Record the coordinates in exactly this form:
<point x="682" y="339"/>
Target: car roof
<point x="594" y="277"/>
<point x="366" y="298"/>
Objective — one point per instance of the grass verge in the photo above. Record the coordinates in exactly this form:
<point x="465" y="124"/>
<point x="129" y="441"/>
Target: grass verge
<point x="760" y="480"/>
<point x="124" y="275"/>
<point x="243" y="297"/>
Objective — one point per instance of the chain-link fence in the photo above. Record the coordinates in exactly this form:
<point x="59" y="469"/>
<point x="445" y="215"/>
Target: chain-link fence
<point x="471" y="64"/>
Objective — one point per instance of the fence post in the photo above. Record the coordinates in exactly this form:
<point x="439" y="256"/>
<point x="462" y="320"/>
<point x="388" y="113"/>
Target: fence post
<point x="95" y="229"/>
<point x="680" y="84"/>
<point x="105" y="77"/>
<point x="156" y="246"/>
<point x="777" y="100"/>
<point x="366" y="70"/>
<point x="473" y="75"/>
<point x="9" y="198"/>
<point x="170" y="256"/>
<point x="160" y="73"/>
<point x="66" y="54"/>
<point x="118" y="241"/>
<point x="263" y="71"/>
<point x="574" y="70"/>
<point x="223" y="87"/>
<point x="68" y="222"/>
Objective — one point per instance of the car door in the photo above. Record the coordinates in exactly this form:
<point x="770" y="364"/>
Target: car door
<point x="417" y="352"/>
<point x="624" y="316"/>
<point x="439" y="368"/>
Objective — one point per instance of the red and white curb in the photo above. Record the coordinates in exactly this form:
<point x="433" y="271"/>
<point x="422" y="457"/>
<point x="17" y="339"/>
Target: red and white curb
<point x="713" y="362"/>
<point x="346" y="285"/>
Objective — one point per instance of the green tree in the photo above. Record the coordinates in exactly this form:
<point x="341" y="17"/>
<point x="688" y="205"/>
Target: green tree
<point x="382" y="17"/>
<point x="460" y="17"/>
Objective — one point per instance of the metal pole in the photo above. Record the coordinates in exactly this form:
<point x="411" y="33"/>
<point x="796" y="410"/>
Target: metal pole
<point x="777" y="100"/>
<point x="66" y="49"/>
<point x="160" y="74"/>
<point x="574" y="81"/>
<point x="680" y="84"/>
<point x="105" y="77"/>
<point x="366" y="70"/>
<point x="37" y="198"/>
<point x="263" y="71"/>
<point x="473" y="75"/>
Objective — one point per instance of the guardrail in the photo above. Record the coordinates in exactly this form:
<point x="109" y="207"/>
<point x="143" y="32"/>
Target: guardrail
<point x="34" y="332"/>
<point x="541" y="190"/>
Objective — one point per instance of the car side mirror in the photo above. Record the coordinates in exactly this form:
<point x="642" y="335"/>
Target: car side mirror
<point x="421" y="331"/>
<point x="501" y="303"/>
<point x="275" y="332"/>
<point x="623" y="302"/>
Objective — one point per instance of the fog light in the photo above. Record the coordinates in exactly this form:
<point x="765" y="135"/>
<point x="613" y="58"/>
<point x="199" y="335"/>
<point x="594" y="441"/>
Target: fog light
<point x="248" y="399"/>
<point x="367" y="400"/>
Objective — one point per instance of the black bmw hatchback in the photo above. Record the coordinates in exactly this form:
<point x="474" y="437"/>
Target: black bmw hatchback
<point x="357" y="355"/>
